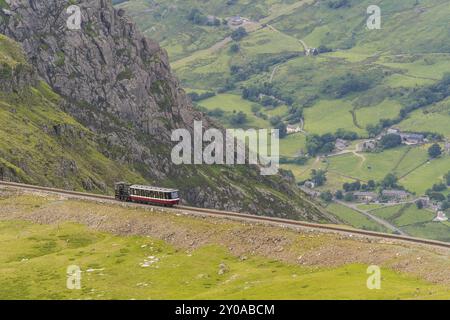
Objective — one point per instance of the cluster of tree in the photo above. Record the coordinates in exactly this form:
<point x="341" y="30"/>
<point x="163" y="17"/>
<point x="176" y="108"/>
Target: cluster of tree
<point x="390" y="182"/>
<point x="298" y="160"/>
<point x="235" y="48"/>
<point x="295" y="114"/>
<point x="391" y="141"/>
<point x="436" y="192"/>
<point x="357" y="186"/>
<point x="279" y="124"/>
<point x="324" y="49"/>
<point x="348" y="197"/>
<point x="417" y="99"/>
<point x="437" y="196"/>
<point x="195" y="97"/>
<point x="326" y="196"/>
<point x="256" y="110"/>
<point x="239" y="118"/>
<point x="323" y="144"/>
<point x="239" y="34"/>
<point x="447" y="178"/>
<point x="316" y="144"/>
<point x="435" y="151"/>
<point x="197" y="17"/>
<point x="340" y="86"/>
<point x="319" y="177"/>
<point x="263" y="63"/>
<point x="271" y="95"/>
<point x="336" y="4"/>
<point x="346" y="135"/>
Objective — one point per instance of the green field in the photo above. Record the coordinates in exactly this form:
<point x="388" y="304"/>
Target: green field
<point x="232" y="104"/>
<point x="354" y="218"/>
<point x="414" y="221"/>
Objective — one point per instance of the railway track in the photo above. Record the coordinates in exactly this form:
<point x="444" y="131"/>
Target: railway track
<point x="240" y="216"/>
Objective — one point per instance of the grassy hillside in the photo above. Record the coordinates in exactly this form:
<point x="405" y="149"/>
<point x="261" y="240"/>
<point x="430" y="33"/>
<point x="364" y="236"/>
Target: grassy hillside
<point x="41" y="144"/>
<point x="142" y="254"/>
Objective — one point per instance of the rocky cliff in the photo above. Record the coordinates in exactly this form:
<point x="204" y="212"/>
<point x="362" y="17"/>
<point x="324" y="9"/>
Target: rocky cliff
<point x="119" y="84"/>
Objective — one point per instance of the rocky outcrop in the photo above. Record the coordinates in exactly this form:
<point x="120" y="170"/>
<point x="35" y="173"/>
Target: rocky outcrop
<point x="118" y="83"/>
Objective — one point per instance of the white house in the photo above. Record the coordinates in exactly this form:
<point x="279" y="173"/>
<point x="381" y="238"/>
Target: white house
<point x="441" y="217"/>
<point x="293" y="128"/>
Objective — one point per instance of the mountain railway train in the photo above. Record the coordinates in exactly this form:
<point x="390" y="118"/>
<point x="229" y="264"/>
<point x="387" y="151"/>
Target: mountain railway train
<point x="145" y="194"/>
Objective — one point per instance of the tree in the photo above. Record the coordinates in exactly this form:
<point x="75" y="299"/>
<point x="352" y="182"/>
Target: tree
<point x="349" y="197"/>
<point x="419" y="204"/>
<point x="239" y="34"/>
<point x="371" y="185"/>
<point x="445" y="205"/>
<point x="235" y="48"/>
<point x="326" y="196"/>
<point x="239" y="118"/>
<point x="390" y="181"/>
<point x="319" y="177"/>
<point x="439" y="187"/>
<point x="339" y="195"/>
<point x="435" y="151"/>
<point x="391" y="141"/>
<point x="447" y="178"/>
<point x="282" y="129"/>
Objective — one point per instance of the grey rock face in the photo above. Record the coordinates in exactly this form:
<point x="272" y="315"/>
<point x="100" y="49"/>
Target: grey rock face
<point x="119" y="84"/>
<point x="108" y="63"/>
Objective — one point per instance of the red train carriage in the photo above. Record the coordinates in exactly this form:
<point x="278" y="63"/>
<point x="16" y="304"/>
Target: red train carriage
<point x="146" y="194"/>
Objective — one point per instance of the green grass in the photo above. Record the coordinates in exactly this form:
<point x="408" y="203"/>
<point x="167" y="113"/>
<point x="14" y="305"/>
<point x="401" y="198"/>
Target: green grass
<point x="231" y="104"/>
<point x="293" y="145"/>
<point x="371" y="115"/>
<point x="10" y="52"/>
<point x="34" y="259"/>
<point x="329" y="116"/>
<point x="433" y="119"/>
<point x="425" y="176"/>
<point x="415" y="222"/>
<point x="32" y="152"/>
<point x="354" y="218"/>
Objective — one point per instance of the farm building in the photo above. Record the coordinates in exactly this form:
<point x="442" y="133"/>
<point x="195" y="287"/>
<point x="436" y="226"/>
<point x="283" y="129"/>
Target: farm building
<point x="293" y="128"/>
<point x="309" y="185"/>
<point x="440" y="217"/>
<point x="412" y="138"/>
<point x="312" y="52"/>
<point x="236" y="21"/>
<point x="369" y="145"/>
<point x="393" y="131"/>
<point x="366" y="196"/>
<point x="341" y="144"/>
<point x="447" y="147"/>
<point x="397" y="195"/>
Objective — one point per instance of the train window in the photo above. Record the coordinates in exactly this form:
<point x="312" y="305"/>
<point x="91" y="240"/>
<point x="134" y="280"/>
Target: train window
<point x="174" y="195"/>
